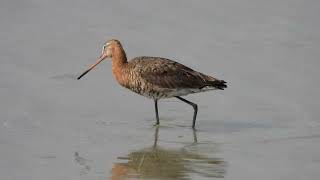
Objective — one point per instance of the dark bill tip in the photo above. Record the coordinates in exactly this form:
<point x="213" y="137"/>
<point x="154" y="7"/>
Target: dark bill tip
<point x="84" y="73"/>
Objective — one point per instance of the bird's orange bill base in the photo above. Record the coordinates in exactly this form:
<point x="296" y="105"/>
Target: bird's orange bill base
<point x="101" y="58"/>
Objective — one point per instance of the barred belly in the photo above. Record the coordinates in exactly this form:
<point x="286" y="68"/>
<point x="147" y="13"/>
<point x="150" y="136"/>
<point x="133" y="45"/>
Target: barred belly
<point x="168" y="93"/>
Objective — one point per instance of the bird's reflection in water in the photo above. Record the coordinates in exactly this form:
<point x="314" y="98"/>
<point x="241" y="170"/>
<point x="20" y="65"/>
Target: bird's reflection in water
<point x="159" y="163"/>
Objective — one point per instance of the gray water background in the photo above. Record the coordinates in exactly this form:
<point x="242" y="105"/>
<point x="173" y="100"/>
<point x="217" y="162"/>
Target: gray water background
<point x="264" y="126"/>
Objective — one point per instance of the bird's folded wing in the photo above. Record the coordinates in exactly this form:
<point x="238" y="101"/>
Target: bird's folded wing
<point x="165" y="73"/>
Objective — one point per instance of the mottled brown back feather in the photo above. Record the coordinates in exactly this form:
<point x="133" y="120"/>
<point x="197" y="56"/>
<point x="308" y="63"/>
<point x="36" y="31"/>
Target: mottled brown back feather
<point x="166" y="73"/>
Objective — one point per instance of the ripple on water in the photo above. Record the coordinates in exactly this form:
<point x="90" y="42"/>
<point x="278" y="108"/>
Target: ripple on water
<point x="64" y="76"/>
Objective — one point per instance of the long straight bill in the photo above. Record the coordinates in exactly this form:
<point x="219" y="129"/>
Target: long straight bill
<point x="91" y="67"/>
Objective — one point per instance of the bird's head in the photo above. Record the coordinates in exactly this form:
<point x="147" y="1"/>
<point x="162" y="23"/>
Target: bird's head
<point x="108" y="50"/>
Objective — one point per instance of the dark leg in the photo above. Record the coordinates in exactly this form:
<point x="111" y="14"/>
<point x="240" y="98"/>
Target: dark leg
<point x="195" y="107"/>
<point x="156" y="108"/>
<point x="156" y="135"/>
<point x="195" y="139"/>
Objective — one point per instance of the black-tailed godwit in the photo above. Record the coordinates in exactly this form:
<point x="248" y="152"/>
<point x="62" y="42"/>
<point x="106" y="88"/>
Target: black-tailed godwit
<point x="156" y="77"/>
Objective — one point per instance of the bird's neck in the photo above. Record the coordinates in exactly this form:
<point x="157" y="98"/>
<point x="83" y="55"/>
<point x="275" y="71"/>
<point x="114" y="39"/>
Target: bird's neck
<point x="119" y="56"/>
<point x="119" y="61"/>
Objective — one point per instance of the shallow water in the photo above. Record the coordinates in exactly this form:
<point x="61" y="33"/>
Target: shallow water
<point x="264" y="126"/>
<point x="182" y="161"/>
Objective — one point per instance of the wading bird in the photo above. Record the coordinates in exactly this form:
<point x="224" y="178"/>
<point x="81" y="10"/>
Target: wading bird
<point x="156" y="77"/>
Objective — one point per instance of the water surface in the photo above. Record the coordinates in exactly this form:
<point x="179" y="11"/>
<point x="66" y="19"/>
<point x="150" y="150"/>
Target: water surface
<point x="264" y="126"/>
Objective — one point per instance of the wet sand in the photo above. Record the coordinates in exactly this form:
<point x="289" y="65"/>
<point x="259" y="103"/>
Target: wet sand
<point x="264" y="126"/>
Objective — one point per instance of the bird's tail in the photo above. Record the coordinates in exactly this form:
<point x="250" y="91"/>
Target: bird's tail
<point x="219" y="84"/>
